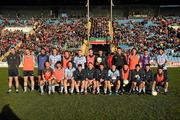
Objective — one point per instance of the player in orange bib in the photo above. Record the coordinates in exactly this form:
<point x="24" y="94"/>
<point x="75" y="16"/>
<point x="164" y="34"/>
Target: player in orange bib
<point x="160" y="80"/>
<point x="66" y="59"/>
<point x="48" y="79"/>
<point x="125" y="76"/>
<point x="91" y="57"/>
<point x="133" y="59"/>
<point x="59" y="76"/>
<point x="28" y="68"/>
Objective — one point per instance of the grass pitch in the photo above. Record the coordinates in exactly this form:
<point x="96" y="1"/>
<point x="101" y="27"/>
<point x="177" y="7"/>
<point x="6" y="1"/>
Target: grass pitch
<point x="32" y="106"/>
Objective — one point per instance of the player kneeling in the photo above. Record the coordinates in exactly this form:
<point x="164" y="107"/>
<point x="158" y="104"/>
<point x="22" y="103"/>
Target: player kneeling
<point x="79" y="77"/>
<point x="125" y="77"/>
<point x="48" y="79"/>
<point x="160" y="80"/>
<point x="137" y="77"/>
<point x="148" y="77"/>
<point x="90" y="78"/>
<point x="69" y="78"/>
<point x="59" y="76"/>
<point x="101" y="78"/>
<point x="114" y="78"/>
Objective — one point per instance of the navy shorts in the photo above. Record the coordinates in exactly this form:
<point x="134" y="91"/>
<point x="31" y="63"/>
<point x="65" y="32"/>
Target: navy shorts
<point x="79" y="79"/>
<point x="162" y="84"/>
<point x="13" y="73"/>
<point x="28" y="73"/>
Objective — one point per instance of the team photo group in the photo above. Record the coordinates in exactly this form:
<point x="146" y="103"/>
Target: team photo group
<point x="74" y="73"/>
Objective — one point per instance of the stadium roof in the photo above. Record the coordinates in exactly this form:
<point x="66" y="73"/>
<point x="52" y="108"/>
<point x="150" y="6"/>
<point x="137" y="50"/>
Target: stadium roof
<point x="83" y="2"/>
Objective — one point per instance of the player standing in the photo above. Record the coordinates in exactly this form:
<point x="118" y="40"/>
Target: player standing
<point x="80" y="59"/>
<point x="119" y="59"/>
<point x="13" y="61"/>
<point x="162" y="60"/>
<point x="133" y="59"/>
<point x="66" y="58"/>
<point x="145" y="59"/>
<point x="54" y="58"/>
<point x="90" y="57"/>
<point x="41" y="59"/>
<point x="28" y="68"/>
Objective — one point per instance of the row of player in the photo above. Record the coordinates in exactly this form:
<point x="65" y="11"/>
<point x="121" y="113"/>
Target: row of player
<point x="89" y="73"/>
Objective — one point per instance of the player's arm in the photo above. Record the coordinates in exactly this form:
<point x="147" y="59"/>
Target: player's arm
<point x="34" y="60"/>
<point x="139" y="61"/>
<point x="85" y="61"/>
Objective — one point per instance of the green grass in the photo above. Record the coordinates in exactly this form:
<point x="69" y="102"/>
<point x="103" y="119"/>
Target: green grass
<point x="32" y="106"/>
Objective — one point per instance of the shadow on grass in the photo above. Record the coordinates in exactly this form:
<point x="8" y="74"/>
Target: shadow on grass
<point x="8" y="114"/>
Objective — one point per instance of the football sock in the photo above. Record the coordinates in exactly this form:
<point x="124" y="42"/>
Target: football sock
<point x="137" y="89"/>
<point x="72" y="90"/>
<point x="53" y="88"/>
<point x="140" y="90"/>
<point x="9" y="90"/>
<point x="50" y="88"/>
<point x="98" y="90"/>
<point x="82" y="90"/>
<point x="25" y="88"/>
<point x="133" y="89"/>
<point x="105" y="90"/>
<point x="77" y="90"/>
<point x="65" y="90"/>
<point x="62" y="88"/>
<point x="144" y="90"/>
<point x="32" y="87"/>
<point x="41" y="88"/>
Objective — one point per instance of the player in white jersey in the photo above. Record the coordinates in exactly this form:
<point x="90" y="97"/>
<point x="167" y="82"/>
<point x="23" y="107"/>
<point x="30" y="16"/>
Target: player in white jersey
<point x="162" y="60"/>
<point x="80" y="59"/>
<point x="69" y="78"/>
<point x="54" y="58"/>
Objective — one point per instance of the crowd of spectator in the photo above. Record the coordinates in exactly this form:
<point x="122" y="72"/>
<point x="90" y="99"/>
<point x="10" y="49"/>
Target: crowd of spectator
<point x="152" y="33"/>
<point x="48" y="33"/>
<point x="99" y="27"/>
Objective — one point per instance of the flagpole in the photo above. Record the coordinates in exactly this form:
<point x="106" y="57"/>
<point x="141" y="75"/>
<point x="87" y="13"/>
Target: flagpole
<point x="88" y="17"/>
<point x="111" y="9"/>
